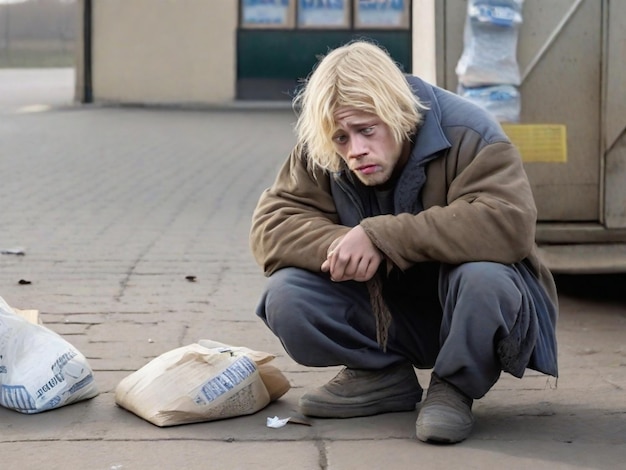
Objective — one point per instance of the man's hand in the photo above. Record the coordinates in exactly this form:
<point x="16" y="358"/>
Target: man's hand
<point x="352" y="257"/>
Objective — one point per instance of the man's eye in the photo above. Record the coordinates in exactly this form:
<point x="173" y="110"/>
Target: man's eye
<point x="368" y="130"/>
<point x="340" y="139"/>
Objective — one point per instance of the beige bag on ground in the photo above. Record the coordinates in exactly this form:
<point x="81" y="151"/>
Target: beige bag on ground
<point x="204" y="381"/>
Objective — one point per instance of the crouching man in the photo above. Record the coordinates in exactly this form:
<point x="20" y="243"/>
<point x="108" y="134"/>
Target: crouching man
<point x="398" y="234"/>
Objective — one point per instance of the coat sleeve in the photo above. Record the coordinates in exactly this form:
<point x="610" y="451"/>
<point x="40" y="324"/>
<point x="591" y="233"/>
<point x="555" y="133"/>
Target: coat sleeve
<point x="490" y="215"/>
<point x="295" y="220"/>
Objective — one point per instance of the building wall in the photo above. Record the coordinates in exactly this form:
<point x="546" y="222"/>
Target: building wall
<point x="423" y="38"/>
<point x="164" y="51"/>
<point x="191" y="51"/>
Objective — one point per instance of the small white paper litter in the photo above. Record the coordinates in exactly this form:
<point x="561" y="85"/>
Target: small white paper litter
<point x="276" y="422"/>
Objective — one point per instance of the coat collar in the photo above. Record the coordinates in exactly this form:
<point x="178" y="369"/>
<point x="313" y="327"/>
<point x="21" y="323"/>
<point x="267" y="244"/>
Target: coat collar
<point x="430" y="137"/>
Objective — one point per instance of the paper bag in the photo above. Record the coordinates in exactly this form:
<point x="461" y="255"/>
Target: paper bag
<point x="195" y="383"/>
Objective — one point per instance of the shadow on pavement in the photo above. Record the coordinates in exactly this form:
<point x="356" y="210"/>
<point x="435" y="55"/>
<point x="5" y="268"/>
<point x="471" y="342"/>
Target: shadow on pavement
<point x="600" y="287"/>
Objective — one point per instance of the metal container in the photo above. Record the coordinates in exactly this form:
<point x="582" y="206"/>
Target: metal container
<point x="573" y="121"/>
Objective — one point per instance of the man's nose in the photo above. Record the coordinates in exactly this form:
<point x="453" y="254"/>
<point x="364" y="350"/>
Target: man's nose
<point x="357" y="147"/>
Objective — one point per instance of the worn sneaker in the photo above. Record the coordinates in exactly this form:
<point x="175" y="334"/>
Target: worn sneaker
<point x="356" y="392"/>
<point x="446" y="415"/>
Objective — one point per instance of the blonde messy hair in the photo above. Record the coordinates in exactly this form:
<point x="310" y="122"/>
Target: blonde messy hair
<point x="359" y="75"/>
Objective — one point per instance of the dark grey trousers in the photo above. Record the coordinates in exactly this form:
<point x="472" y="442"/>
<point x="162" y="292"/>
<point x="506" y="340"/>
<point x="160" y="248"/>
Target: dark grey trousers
<point x="448" y="318"/>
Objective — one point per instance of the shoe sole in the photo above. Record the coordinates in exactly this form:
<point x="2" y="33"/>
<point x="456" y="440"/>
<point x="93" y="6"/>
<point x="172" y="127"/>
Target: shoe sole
<point x="443" y="434"/>
<point x="398" y="403"/>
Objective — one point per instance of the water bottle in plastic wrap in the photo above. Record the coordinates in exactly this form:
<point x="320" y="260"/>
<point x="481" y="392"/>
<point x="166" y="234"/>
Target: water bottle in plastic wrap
<point x="490" y="43"/>
<point x="502" y="101"/>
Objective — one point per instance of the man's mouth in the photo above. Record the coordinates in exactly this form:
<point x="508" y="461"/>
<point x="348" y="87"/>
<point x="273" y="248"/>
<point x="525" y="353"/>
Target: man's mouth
<point x="368" y="169"/>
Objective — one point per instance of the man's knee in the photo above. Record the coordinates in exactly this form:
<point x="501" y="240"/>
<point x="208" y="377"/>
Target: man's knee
<point x="286" y="297"/>
<point x="483" y="276"/>
<point x="484" y="287"/>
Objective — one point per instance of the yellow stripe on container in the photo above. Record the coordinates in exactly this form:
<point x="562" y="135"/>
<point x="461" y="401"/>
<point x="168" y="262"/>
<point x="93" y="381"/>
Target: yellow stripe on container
<point x="539" y="142"/>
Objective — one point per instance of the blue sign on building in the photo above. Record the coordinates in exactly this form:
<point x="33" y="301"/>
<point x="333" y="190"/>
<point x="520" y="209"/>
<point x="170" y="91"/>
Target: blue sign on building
<point x="265" y="12"/>
<point x="322" y="13"/>
<point x="322" y="4"/>
<point x="386" y="13"/>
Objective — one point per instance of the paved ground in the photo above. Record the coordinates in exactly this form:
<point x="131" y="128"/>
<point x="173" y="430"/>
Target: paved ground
<point x="114" y="207"/>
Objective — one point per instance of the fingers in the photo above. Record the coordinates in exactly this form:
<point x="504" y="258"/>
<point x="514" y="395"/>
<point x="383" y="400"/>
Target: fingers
<point x="371" y="269"/>
<point x="366" y="269"/>
<point x="334" y="244"/>
<point x="340" y="266"/>
<point x="352" y="257"/>
<point x="346" y="268"/>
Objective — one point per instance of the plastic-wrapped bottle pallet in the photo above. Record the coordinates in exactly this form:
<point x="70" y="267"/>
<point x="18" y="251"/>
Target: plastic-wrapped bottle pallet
<point x="487" y="70"/>
<point x="502" y="101"/>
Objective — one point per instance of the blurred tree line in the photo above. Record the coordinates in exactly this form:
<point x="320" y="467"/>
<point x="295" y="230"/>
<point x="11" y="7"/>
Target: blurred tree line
<point x="38" y="33"/>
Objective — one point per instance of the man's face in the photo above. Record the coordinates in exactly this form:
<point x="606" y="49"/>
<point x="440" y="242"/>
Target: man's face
<point x="367" y="145"/>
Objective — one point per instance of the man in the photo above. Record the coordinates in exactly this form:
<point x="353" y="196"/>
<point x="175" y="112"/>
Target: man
<point x="399" y="234"/>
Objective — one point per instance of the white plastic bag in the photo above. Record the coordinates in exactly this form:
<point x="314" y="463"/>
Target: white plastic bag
<point x="39" y="370"/>
<point x="197" y="383"/>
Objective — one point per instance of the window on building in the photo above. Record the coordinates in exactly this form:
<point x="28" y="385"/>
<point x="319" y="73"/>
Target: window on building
<point x="325" y="14"/>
